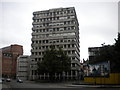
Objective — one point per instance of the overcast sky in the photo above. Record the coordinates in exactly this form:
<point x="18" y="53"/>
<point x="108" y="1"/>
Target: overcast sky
<point x="98" y="21"/>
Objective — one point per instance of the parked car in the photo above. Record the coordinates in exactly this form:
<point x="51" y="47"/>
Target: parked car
<point x="19" y="80"/>
<point x="8" y="80"/>
<point x="0" y="80"/>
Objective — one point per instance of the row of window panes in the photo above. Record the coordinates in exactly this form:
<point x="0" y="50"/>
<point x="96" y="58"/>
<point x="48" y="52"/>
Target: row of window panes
<point x="54" y="18"/>
<point x="23" y="71"/>
<point x="72" y="72"/>
<point x="54" y="29"/>
<point x="23" y="66"/>
<point x="23" y="76"/>
<point x="53" y="35"/>
<point x="56" y="46"/>
<point x="22" y="61"/>
<point x="40" y="59"/>
<point x="42" y="53"/>
<point x="34" y="72"/>
<point x="54" y="24"/>
<point x="7" y="54"/>
<point x="54" y="13"/>
<point x="53" y="41"/>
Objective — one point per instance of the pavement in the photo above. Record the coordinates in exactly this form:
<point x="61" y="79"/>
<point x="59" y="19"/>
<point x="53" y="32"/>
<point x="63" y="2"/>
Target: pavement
<point x="5" y="87"/>
<point x="96" y="86"/>
<point x="83" y="84"/>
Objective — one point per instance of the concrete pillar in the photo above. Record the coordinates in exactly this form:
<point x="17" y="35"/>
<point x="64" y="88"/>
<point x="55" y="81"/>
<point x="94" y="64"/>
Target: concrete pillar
<point x="71" y="75"/>
<point x="76" y="74"/>
<point x="59" y="76"/>
<point x="55" y="75"/>
<point x="33" y="76"/>
<point x="67" y="76"/>
<point x="44" y="75"/>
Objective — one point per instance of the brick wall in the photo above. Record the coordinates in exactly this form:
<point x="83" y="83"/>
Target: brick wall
<point x="9" y="59"/>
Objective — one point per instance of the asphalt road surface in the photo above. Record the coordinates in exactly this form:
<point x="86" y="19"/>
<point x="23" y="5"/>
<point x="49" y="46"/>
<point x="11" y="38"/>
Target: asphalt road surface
<point x="30" y="85"/>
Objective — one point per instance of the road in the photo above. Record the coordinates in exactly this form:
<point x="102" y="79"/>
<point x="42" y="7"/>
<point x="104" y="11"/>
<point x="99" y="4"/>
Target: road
<point x="28" y="85"/>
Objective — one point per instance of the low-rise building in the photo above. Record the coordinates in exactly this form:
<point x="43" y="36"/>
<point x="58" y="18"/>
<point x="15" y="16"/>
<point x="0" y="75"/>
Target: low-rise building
<point x="9" y="57"/>
<point x="93" y="51"/>
<point x="23" y="67"/>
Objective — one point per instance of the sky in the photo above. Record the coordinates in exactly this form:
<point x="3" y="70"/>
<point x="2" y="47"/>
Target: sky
<point x="98" y="21"/>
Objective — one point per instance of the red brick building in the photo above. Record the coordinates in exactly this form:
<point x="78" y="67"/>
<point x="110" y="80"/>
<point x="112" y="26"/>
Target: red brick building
<point x="9" y="59"/>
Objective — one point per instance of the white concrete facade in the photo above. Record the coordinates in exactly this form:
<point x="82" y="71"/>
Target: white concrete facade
<point x="23" y="67"/>
<point x="59" y="27"/>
